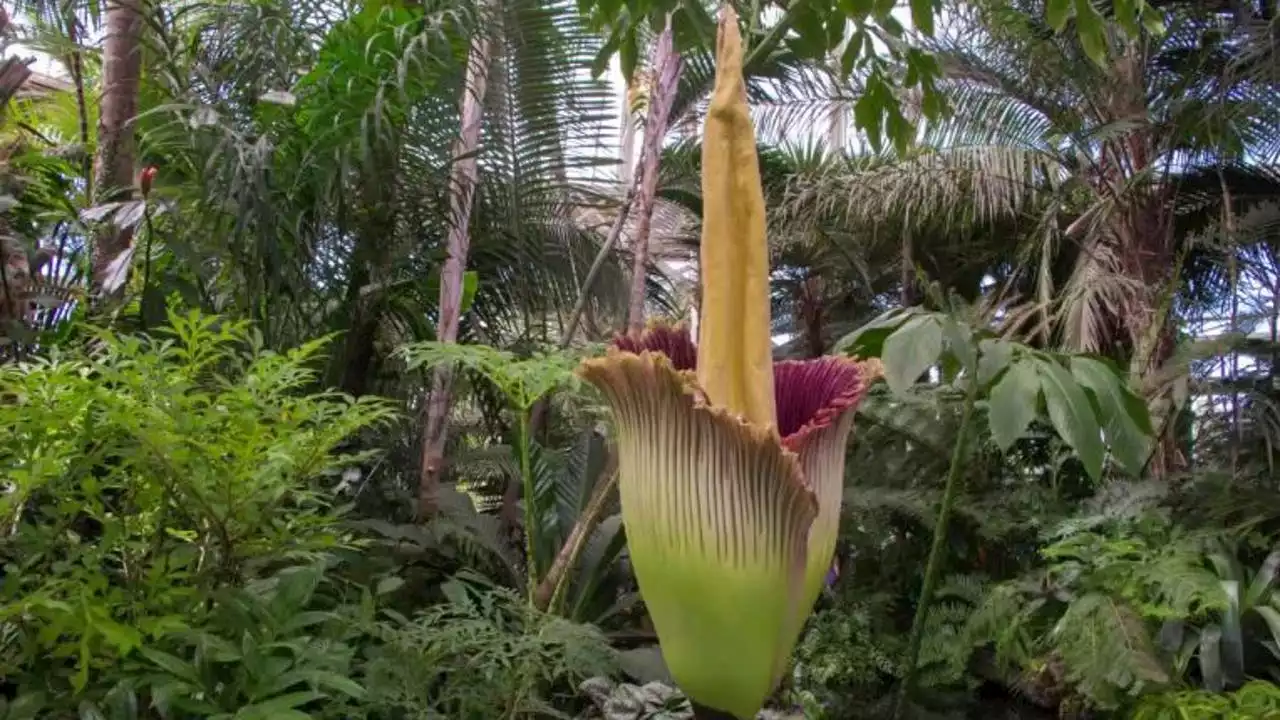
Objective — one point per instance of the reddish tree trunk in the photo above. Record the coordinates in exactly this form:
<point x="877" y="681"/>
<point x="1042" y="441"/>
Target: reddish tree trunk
<point x="113" y="166"/>
<point x="462" y="194"/>
<point x="666" y="79"/>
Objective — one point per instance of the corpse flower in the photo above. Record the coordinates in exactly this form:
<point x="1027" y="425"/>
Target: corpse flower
<point x="730" y="466"/>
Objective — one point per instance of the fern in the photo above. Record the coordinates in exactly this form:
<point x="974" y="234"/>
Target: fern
<point x="1107" y="649"/>
<point x="483" y="654"/>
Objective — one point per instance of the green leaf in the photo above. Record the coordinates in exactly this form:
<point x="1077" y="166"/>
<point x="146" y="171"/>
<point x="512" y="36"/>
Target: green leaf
<point x="294" y="589"/>
<point x="898" y="128"/>
<point x="922" y="16"/>
<point x="1263" y="579"/>
<point x="601" y="62"/>
<point x="1072" y="415"/>
<point x="279" y="706"/>
<point x="857" y="9"/>
<point x="877" y="103"/>
<point x="122" y="637"/>
<point x="910" y="351"/>
<point x="1272" y="618"/>
<point x="645" y="664"/>
<point x="852" y="51"/>
<point x="1092" y="32"/>
<point x="1152" y="19"/>
<point x="1129" y="444"/>
<point x="959" y="338"/>
<point x="1126" y="16"/>
<point x="1014" y="403"/>
<point x="172" y="665"/>
<point x="470" y="284"/>
<point x="993" y="357"/>
<point x="628" y="54"/>
<point x="334" y="681"/>
<point x="1057" y="12"/>
<point x="388" y="585"/>
<point x="868" y="340"/>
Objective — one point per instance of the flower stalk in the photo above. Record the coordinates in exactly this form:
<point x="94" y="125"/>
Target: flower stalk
<point x="933" y="570"/>
<point x="730" y="466"/>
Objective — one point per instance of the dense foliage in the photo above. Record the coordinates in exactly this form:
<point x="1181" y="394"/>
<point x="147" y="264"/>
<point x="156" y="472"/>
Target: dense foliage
<point x="289" y="426"/>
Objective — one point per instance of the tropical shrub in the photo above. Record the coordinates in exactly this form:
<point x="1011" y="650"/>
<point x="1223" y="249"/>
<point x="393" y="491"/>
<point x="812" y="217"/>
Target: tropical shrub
<point x="150" y="479"/>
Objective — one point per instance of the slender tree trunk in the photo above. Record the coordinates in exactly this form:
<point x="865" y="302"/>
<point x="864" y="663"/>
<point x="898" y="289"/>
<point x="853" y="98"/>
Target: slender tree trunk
<point x="76" y="62"/>
<point x="812" y="316"/>
<point x="113" y="166"/>
<point x="369" y="268"/>
<point x="666" y="79"/>
<point x="463" y="180"/>
<point x="908" y="270"/>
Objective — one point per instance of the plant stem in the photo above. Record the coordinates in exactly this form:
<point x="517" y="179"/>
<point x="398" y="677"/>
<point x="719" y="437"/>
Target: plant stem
<point x="526" y="475"/>
<point x="146" y="265"/>
<point x="934" y="567"/>
<point x="770" y="41"/>
<point x="584" y="294"/>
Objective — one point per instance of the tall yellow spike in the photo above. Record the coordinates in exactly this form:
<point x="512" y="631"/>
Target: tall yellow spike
<point x="735" y="349"/>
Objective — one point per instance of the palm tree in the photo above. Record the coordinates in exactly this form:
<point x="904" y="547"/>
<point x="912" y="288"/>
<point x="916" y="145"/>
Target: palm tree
<point x="461" y="195"/>
<point x="1091" y="161"/>
<point x="113" y="177"/>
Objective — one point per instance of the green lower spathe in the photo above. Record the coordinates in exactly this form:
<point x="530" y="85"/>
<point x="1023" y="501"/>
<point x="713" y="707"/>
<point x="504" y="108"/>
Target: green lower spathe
<point x="717" y="521"/>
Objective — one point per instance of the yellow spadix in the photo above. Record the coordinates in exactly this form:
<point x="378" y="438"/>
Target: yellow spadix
<point x="731" y="476"/>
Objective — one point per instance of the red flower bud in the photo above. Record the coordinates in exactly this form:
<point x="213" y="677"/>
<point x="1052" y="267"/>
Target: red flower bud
<point x="148" y="176"/>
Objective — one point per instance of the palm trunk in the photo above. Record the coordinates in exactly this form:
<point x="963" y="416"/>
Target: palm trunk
<point x="666" y="79"/>
<point x="1143" y="233"/>
<point x="113" y="166"/>
<point x="908" y="270"/>
<point x="812" y="316"/>
<point x="463" y="187"/>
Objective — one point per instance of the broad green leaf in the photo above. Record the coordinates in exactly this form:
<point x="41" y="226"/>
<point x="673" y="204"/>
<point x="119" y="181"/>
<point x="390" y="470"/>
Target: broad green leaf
<point x="601" y="62"/>
<point x="1013" y="404"/>
<point x="867" y="114"/>
<point x="645" y="664"/>
<point x="910" y="351"/>
<point x="993" y="357"/>
<point x="389" y="584"/>
<point x="1092" y="32"/>
<point x="172" y="665"/>
<point x="1272" y="618"/>
<point x="959" y="338"/>
<point x="852" y="51"/>
<point x="628" y="54"/>
<point x="858" y="9"/>
<point x="294" y="589"/>
<point x="1057" y="12"/>
<point x="1126" y="16"/>
<point x="868" y="340"/>
<point x="278" y="706"/>
<point x="1263" y="579"/>
<point x="1072" y="415"/>
<point x="122" y="637"/>
<point x="922" y="16"/>
<point x="470" y="285"/>
<point x="1129" y="444"/>
<point x="1152" y="19"/>
<point x="334" y="681"/>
